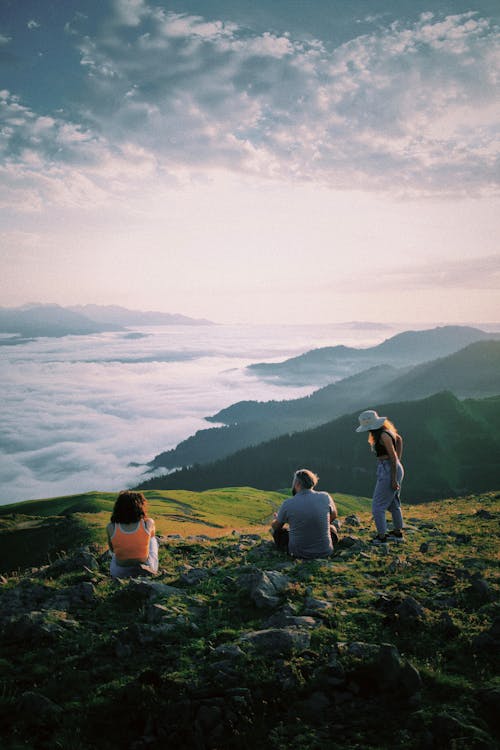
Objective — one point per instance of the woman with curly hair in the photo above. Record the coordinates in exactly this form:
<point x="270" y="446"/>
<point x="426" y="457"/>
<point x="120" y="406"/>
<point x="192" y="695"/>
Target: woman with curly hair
<point x="387" y="444"/>
<point x="131" y="537"/>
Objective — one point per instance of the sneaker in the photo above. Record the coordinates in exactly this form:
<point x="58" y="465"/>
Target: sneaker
<point x="395" y="536"/>
<point x="380" y="539"/>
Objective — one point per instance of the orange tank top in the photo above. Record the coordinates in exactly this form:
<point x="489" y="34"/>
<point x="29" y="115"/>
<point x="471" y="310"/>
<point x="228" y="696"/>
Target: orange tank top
<point x="131" y="545"/>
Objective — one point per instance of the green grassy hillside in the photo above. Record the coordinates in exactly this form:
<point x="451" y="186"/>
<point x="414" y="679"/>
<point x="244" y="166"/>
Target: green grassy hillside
<point x="235" y="646"/>
<point x="36" y="531"/>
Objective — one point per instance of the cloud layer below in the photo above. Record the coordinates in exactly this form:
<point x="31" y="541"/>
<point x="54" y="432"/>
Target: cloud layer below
<point x="76" y="411"/>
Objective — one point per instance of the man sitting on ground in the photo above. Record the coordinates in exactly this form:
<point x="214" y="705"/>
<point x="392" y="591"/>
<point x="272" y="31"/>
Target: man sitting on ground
<point x="309" y="515"/>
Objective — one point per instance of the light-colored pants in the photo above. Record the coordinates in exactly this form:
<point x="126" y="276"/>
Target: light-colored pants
<point x="385" y="498"/>
<point x="121" y="571"/>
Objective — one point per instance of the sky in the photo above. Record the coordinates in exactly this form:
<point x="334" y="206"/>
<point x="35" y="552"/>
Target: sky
<point x="297" y="161"/>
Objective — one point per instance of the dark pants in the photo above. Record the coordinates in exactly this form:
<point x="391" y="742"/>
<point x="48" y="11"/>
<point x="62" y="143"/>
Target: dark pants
<point x="281" y="537"/>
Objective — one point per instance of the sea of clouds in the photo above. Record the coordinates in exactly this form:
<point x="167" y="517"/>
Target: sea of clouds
<point x="78" y="410"/>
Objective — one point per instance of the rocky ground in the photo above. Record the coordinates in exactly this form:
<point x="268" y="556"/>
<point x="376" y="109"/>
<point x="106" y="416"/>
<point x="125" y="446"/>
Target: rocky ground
<point x="234" y="645"/>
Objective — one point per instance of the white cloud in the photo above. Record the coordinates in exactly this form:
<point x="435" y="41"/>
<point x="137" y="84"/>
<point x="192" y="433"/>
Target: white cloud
<point x="32" y="25"/>
<point x="409" y="109"/>
<point x="366" y="112"/>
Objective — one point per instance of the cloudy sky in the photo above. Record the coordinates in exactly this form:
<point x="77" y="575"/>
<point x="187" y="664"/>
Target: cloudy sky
<point x="248" y="160"/>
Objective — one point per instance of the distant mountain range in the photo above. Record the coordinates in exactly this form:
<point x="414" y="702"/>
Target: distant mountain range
<point x="32" y="321"/>
<point x="324" y="365"/>
<point x="124" y="317"/>
<point x="451" y="447"/>
<point x="471" y="372"/>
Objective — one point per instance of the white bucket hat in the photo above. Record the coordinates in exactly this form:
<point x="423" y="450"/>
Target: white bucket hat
<point x="369" y="420"/>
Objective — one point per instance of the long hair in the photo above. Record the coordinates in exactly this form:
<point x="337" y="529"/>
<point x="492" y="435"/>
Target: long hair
<point x="129" y="507"/>
<point x="373" y="435"/>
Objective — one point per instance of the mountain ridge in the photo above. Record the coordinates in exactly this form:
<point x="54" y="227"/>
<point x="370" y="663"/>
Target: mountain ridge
<point x="319" y="366"/>
<point x="471" y="372"/>
<point x="451" y="447"/>
<point x="55" y="321"/>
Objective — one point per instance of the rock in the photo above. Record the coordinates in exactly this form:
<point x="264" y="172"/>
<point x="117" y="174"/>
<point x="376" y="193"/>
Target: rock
<point x="149" y="589"/>
<point x="410" y="611"/>
<point x="230" y="650"/>
<point x="448" y="626"/>
<point x="410" y="682"/>
<point x="30" y="628"/>
<point x="193" y="576"/>
<point x="388" y="666"/>
<point x="374" y="668"/>
<point x="315" y="708"/>
<point x="282" y="620"/>
<point x="461" y="538"/>
<point x="352" y="520"/>
<point x="263" y="587"/>
<point x="156" y="613"/>
<point x="81" y="560"/>
<point x="488" y="640"/>
<point x="275" y="642"/>
<point x="74" y="596"/>
<point x="39" y="711"/>
<point x="449" y="731"/>
<point x="208" y="716"/>
<point x="358" y="649"/>
<point x="350" y="542"/>
<point x="316" y="607"/>
<point x="480" y="590"/>
<point x="424" y="547"/>
<point x="489" y="706"/>
<point x="485" y="514"/>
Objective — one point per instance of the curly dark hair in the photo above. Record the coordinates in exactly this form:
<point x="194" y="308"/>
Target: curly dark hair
<point x="129" y="507"/>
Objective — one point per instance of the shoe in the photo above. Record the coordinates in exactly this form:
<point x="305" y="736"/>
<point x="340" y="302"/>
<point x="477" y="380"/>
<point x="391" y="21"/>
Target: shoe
<point x="395" y="536"/>
<point x="380" y="539"/>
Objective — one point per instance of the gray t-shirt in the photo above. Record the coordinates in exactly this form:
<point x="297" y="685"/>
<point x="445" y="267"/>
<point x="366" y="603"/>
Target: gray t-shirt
<point x="308" y="518"/>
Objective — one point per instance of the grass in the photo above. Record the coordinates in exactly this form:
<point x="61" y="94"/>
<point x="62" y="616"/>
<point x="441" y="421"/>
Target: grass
<point x="132" y="671"/>
<point x="36" y="531"/>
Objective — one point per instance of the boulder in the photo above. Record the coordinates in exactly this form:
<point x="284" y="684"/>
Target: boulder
<point x="480" y="590"/>
<point x="39" y="711"/>
<point x="193" y="576"/>
<point x="264" y="587"/>
<point x="80" y="560"/>
<point x="485" y="514"/>
<point x="410" y="611"/>
<point x="375" y="668"/>
<point x="352" y="520"/>
<point x="276" y="642"/>
<point x="152" y="589"/>
<point x="31" y="628"/>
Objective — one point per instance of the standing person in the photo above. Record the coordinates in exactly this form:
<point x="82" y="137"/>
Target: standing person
<point x="131" y="537"/>
<point x="309" y="515"/>
<point x="387" y="444"/>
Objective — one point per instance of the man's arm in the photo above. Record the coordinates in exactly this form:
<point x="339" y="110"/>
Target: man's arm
<point x="280" y="518"/>
<point x="275" y="524"/>
<point x="333" y="509"/>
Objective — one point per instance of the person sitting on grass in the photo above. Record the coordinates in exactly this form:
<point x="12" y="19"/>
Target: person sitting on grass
<point x="131" y="537"/>
<point x="309" y="516"/>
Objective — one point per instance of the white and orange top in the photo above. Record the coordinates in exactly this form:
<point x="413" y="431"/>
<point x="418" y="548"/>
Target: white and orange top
<point x="131" y="545"/>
